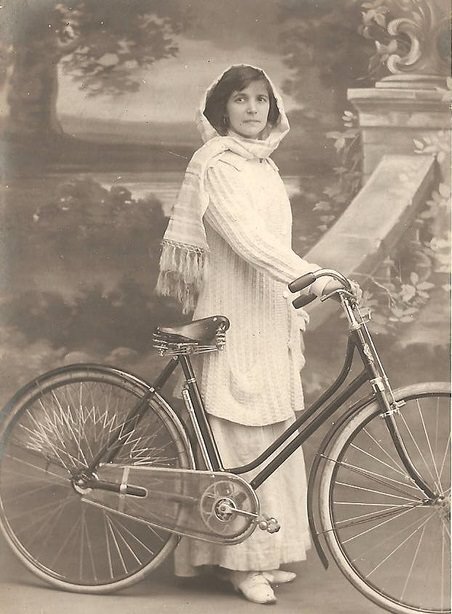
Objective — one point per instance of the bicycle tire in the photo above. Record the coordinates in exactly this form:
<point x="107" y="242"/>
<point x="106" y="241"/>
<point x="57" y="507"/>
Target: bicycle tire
<point x="51" y="430"/>
<point x="391" y="545"/>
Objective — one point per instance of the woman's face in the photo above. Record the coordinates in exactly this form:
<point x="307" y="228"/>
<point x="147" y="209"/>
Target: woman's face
<point x="247" y="110"/>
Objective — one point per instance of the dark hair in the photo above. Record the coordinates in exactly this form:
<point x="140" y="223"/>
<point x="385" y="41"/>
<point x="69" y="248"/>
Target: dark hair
<point x="236" y="79"/>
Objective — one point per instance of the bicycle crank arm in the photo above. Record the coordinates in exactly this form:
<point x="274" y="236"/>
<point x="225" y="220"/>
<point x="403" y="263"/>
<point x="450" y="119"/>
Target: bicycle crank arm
<point x="225" y="508"/>
<point x="264" y="522"/>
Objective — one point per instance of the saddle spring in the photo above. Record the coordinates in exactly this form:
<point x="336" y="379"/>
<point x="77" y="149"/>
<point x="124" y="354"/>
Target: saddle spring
<point x="169" y="346"/>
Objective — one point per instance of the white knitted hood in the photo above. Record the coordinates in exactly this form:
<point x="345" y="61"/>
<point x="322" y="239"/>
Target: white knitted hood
<point x="275" y="133"/>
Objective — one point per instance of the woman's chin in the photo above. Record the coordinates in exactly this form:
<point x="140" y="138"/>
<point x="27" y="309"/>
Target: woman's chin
<point x="250" y="133"/>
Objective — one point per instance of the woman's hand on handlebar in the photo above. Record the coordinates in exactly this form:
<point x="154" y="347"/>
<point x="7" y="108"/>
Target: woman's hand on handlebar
<point x="334" y="285"/>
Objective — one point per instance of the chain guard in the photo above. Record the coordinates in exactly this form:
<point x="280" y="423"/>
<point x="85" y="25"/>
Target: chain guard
<point x="199" y="504"/>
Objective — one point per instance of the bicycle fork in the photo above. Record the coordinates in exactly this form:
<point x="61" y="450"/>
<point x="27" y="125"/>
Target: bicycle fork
<point x="383" y="393"/>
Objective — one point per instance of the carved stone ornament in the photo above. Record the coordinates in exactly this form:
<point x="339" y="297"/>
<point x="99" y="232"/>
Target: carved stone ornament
<point x="416" y="43"/>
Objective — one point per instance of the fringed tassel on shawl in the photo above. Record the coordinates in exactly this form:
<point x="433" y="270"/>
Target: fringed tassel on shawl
<point x="182" y="272"/>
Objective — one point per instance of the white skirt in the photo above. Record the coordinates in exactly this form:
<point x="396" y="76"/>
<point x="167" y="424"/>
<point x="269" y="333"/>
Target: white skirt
<point x="282" y="495"/>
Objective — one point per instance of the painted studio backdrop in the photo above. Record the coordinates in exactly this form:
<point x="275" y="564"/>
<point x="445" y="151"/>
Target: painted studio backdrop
<point x="97" y="111"/>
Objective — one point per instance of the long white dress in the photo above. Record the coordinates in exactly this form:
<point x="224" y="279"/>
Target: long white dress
<point x="282" y="496"/>
<point x="253" y="387"/>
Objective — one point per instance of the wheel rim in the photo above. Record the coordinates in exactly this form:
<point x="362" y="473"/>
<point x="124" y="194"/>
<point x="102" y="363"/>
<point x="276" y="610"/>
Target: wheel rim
<point x="396" y="543"/>
<point x="51" y="440"/>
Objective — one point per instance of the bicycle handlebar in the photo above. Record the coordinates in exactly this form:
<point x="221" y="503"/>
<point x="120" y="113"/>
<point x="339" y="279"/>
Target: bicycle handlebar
<point x="302" y="301"/>
<point x="309" y="278"/>
<point x="303" y="282"/>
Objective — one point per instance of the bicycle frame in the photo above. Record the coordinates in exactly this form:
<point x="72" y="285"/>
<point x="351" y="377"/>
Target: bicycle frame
<point x="316" y="415"/>
<point x="306" y="424"/>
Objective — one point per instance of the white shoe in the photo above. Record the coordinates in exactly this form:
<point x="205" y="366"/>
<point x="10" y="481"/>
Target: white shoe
<point x="253" y="585"/>
<point x="277" y="576"/>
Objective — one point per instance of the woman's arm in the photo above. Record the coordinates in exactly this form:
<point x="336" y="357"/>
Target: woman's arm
<point x="230" y="215"/>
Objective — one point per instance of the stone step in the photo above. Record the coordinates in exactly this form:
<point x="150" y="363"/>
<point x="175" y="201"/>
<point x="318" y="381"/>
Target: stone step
<point x="374" y="222"/>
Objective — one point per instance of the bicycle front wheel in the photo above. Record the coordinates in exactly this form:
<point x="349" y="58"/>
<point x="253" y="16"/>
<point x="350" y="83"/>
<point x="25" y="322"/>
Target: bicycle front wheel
<point x="52" y="431"/>
<point x="388" y="539"/>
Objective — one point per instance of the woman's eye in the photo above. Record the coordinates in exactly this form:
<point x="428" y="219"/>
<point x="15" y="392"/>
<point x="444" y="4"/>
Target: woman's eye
<point x="262" y="99"/>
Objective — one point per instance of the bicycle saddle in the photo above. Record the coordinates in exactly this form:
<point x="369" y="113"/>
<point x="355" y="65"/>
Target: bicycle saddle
<point x="201" y="331"/>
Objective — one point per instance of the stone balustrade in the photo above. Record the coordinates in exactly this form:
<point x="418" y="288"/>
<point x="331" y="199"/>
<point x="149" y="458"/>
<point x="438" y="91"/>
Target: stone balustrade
<point x="408" y="107"/>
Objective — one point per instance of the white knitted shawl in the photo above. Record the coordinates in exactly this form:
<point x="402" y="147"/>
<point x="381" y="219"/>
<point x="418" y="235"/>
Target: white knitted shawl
<point x="184" y="258"/>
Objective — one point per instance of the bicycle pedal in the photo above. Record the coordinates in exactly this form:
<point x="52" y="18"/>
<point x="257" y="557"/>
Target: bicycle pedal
<point x="269" y="524"/>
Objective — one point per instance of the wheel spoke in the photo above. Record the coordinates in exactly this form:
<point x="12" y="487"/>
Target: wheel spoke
<point x="65" y="542"/>
<point x="107" y="541"/>
<point x="25" y="513"/>
<point x="152" y="530"/>
<point x="391" y="541"/>
<point x="117" y="526"/>
<point x="443" y="568"/>
<point x="85" y="532"/>
<point x="39" y="524"/>
<point x="376" y="477"/>
<point x="30" y="491"/>
<point x="403" y="512"/>
<point x="378" y="544"/>
<point x="55" y="434"/>
<point x="378" y="492"/>
<point x="385" y="452"/>
<point x="52" y="522"/>
<point x="378" y="460"/>
<point x="421" y="454"/>
<point x="115" y="543"/>
<point x="410" y="571"/>
<point x="385" y="505"/>
<point x="399" y="546"/>
<point x="445" y="458"/>
<point x="133" y="537"/>
<point x="41" y="441"/>
<point x="355" y="520"/>
<point x="444" y="523"/>
<point x="421" y="415"/>
<point x="66" y="419"/>
<point x="49" y="475"/>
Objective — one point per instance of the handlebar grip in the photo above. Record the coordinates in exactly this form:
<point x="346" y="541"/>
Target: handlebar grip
<point x="302" y="301"/>
<point x="302" y="282"/>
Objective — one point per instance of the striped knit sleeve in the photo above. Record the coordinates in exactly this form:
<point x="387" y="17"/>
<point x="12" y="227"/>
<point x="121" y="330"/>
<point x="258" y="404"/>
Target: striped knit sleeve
<point x="230" y="215"/>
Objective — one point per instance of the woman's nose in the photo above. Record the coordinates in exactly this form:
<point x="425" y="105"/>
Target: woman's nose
<point x="251" y="107"/>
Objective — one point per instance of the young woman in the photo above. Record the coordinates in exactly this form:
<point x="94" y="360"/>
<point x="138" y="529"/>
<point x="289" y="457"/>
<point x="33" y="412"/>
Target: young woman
<point x="227" y="250"/>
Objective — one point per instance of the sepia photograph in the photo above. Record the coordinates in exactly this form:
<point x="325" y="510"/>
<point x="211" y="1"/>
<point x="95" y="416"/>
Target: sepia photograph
<point x="225" y="360"/>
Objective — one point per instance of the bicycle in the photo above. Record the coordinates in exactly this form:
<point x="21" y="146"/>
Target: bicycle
<point x="98" y="477"/>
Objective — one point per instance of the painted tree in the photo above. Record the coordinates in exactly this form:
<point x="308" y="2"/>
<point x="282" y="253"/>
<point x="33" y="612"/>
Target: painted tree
<point x="325" y="37"/>
<point x="102" y="44"/>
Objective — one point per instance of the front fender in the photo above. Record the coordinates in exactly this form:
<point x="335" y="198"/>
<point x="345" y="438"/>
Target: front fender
<point x="399" y="394"/>
<point x="316" y="468"/>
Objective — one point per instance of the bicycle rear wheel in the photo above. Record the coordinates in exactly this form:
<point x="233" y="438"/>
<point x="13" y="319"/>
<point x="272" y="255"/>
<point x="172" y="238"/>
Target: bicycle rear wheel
<point x="385" y="536"/>
<point x="52" y="431"/>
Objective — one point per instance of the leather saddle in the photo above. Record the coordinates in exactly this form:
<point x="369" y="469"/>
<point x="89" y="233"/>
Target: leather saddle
<point x="198" y="331"/>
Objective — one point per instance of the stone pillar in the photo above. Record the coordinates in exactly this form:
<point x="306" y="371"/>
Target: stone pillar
<point x="391" y="119"/>
<point x="413" y="101"/>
